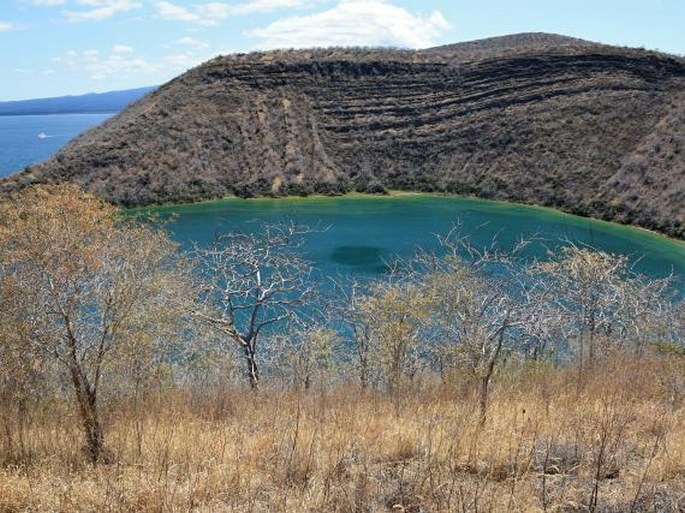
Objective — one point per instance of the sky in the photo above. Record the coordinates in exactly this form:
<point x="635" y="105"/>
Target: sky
<point x="60" y="47"/>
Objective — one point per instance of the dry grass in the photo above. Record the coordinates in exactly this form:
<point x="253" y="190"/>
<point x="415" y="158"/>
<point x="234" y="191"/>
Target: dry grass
<point x="616" y="443"/>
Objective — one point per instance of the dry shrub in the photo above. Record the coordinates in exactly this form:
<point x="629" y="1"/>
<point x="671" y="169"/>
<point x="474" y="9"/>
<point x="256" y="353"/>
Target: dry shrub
<point x="613" y="444"/>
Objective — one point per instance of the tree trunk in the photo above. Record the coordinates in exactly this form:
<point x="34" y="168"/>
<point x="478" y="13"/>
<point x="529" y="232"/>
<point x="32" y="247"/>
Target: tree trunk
<point x="487" y="376"/>
<point x="484" y="391"/>
<point x="92" y="428"/>
<point x="252" y="371"/>
<point x="363" y="371"/>
<point x="581" y="356"/>
<point x="362" y="342"/>
<point x="95" y="438"/>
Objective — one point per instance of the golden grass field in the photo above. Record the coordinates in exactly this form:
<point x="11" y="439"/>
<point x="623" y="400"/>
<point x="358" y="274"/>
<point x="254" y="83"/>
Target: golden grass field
<point x="614" y="443"/>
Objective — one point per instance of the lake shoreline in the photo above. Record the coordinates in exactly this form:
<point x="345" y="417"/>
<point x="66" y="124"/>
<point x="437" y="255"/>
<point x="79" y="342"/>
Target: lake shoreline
<point x="399" y="195"/>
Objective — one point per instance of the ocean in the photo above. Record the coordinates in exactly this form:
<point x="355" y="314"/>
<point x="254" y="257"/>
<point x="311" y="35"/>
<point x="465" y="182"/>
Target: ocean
<point x="26" y="140"/>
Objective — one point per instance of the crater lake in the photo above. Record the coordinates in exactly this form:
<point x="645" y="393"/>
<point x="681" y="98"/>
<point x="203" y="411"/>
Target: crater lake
<point x="359" y="234"/>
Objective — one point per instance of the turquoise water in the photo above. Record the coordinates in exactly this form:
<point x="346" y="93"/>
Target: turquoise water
<point x="362" y="233"/>
<point x="26" y="140"/>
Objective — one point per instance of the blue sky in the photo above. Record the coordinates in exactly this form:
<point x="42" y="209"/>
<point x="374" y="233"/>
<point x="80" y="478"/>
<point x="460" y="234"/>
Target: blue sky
<point x="58" y="47"/>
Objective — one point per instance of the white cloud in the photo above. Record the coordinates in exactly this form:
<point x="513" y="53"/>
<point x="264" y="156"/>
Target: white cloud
<point x="180" y="62"/>
<point x="268" y="6"/>
<point x="212" y="13"/>
<point x="354" y="23"/>
<point x="120" y="49"/>
<point x="170" y="11"/>
<point x="5" y="27"/>
<point x="27" y="71"/>
<point x="192" y="43"/>
<point x="48" y="3"/>
<point x="98" y="67"/>
<point x="119" y="63"/>
<point x="100" y="9"/>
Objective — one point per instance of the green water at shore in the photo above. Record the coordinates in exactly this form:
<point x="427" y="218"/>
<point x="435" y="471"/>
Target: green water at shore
<point x="365" y="231"/>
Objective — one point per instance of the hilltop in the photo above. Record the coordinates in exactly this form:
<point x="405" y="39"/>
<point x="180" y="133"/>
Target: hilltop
<point x="501" y="45"/>
<point x="534" y="118"/>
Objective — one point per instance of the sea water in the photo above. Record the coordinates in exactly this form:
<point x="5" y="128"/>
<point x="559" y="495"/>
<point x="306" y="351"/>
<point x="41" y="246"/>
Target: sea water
<point x="26" y="140"/>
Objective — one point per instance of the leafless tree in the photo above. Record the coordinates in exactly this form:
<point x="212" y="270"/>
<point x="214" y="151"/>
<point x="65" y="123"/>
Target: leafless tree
<point x="253" y="281"/>
<point x="344" y="310"/>
<point x="393" y="315"/>
<point x="483" y="305"/>
<point x="82" y="287"/>
<point x="604" y="305"/>
<point x="305" y="356"/>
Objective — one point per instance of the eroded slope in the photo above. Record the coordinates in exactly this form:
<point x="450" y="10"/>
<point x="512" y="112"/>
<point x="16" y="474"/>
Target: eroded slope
<point x="590" y="129"/>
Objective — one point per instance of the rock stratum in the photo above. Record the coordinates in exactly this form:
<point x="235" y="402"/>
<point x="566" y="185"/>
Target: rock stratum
<point x="533" y="118"/>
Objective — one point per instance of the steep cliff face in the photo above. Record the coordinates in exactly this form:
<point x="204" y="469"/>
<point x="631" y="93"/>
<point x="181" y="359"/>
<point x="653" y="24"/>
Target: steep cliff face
<point x="591" y="129"/>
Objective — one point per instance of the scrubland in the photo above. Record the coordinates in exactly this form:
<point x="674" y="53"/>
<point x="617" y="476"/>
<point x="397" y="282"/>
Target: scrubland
<point x="613" y="442"/>
<point x="135" y="377"/>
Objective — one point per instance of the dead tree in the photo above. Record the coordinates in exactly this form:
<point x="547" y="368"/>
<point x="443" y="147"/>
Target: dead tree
<point x="254" y="281"/>
<point x="481" y="305"/>
<point x="604" y="305"/>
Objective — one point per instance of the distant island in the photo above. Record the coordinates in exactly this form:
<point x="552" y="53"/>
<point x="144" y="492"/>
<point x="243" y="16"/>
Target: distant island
<point x="542" y="119"/>
<point x="112" y="101"/>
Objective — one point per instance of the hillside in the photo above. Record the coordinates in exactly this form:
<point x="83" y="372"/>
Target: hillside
<point x="500" y="45"/>
<point x="534" y="118"/>
<point x="80" y="104"/>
